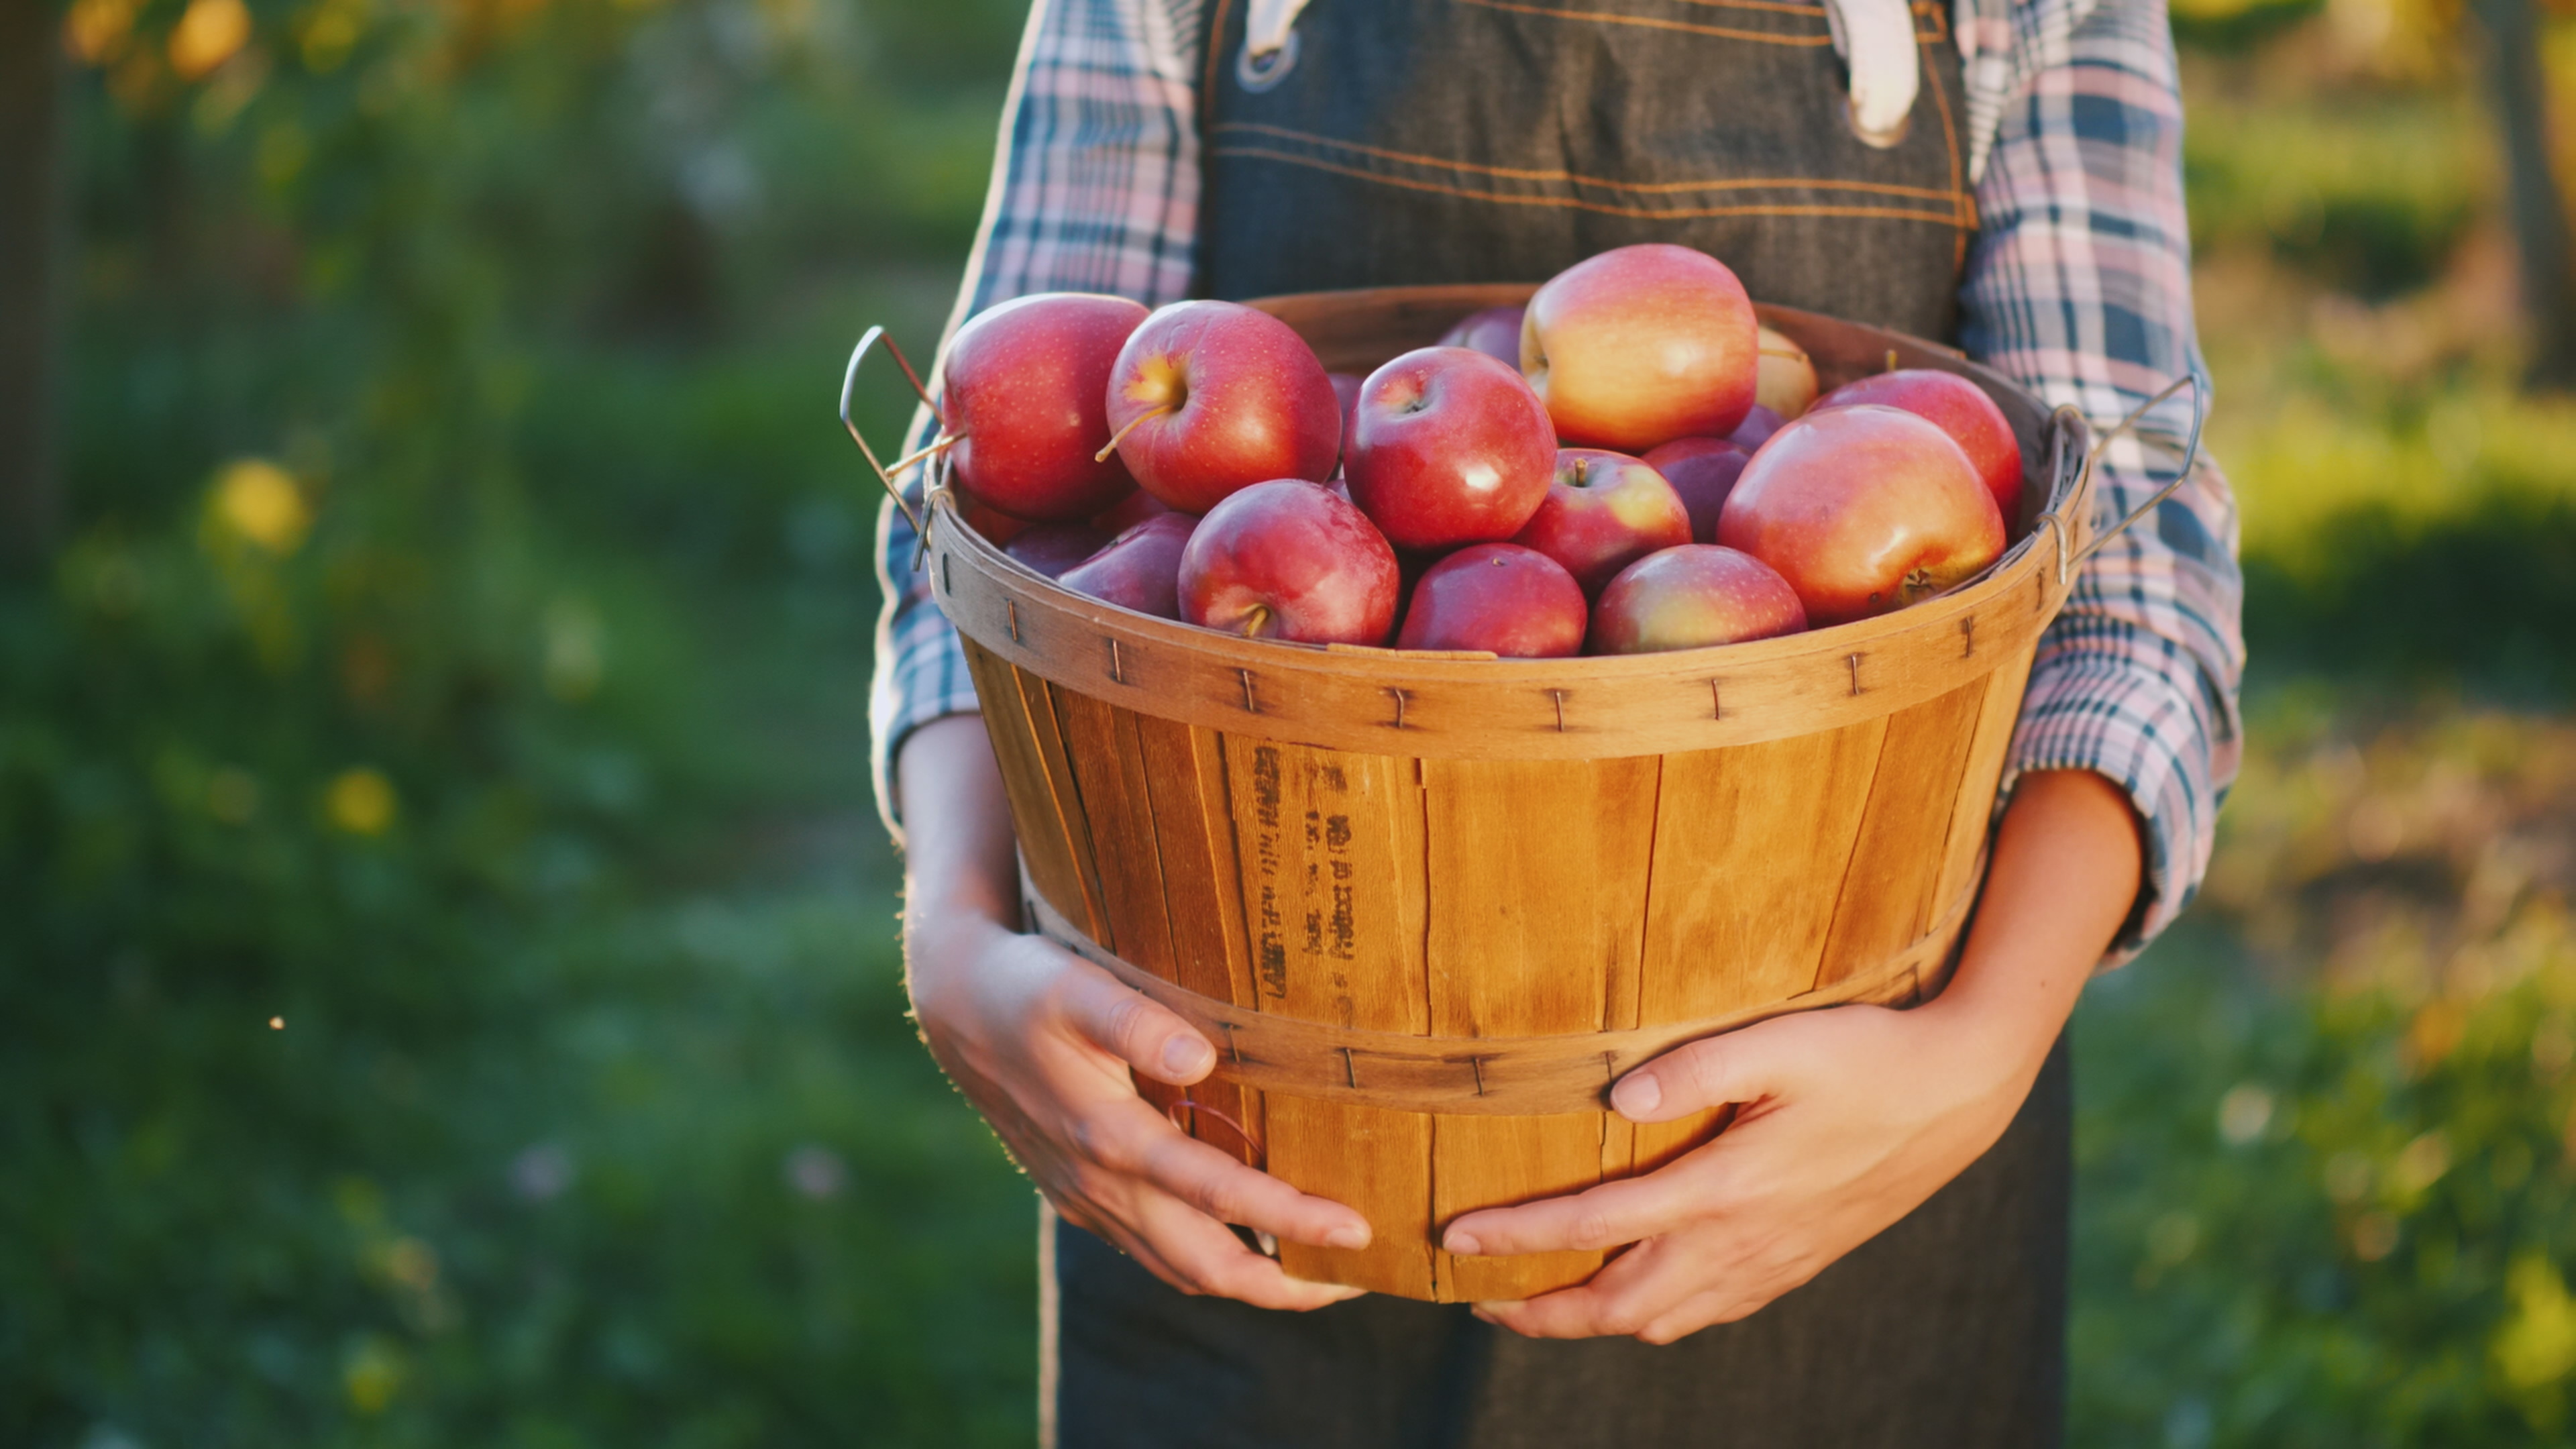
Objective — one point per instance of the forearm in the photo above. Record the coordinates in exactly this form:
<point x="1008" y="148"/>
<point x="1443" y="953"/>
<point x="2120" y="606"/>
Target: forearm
<point x="2065" y="875"/>
<point x="959" y="861"/>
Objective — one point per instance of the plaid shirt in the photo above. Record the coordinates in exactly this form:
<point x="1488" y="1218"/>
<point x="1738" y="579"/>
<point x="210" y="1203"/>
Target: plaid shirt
<point x="2078" y="286"/>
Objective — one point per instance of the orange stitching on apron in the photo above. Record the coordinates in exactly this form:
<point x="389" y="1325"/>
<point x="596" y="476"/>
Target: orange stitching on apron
<point x="1776" y="5"/>
<point x="1758" y="37"/>
<point x="1943" y="218"/>
<point x="1921" y="193"/>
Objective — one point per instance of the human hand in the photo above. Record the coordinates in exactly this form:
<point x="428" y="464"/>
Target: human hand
<point x="1042" y="1043"/>
<point x="1847" y="1119"/>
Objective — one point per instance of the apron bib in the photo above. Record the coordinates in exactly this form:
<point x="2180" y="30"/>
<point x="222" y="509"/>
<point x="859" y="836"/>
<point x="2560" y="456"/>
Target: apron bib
<point x="1406" y="142"/>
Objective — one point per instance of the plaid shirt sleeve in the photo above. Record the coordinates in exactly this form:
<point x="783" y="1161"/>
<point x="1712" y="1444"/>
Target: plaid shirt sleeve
<point x="1095" y="189"/>
<point x="2080" y="287"/>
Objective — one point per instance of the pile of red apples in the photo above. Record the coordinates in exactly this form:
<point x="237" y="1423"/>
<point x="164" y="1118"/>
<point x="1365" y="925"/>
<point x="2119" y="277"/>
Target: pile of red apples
<point x="1628" y="464"/>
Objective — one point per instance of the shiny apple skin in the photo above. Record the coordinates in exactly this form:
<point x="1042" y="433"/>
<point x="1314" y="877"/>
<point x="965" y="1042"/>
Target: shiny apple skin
<point x="1512" y="601"/>
<point x="1702" y="471"/>
<point x="1051" y="548"/>
<point x="1864" y="509"/>
<point x="1692" y="597"/>
<point x="1956" y="406"/>
<point x="1452" y="448"/>
<point x="1139" y="569"/>
<point x="1023" y="384"/>
<point x="1495" y="332"/>
<point x="1604" y="512"/>
<point x="1641" y="345"/>
<point x="1786" y="381"/>
<point x="1249" y="404"/>
<point x="993" y="524"/>
<point x="1290" y="560"/>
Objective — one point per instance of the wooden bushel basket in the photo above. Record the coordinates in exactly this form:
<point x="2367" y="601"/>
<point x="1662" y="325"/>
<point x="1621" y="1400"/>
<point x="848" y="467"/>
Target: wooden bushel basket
<point x="1430" y="906"/>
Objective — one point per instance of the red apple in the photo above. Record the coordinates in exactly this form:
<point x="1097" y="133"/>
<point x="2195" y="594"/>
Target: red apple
<point x="1501" y="597"/>
<point x="1756" y="429"/>
<point x="1140" y="569"/>
<point x="997" y="527"/>
<point x="1021" y="389"/>
<point x="1289" y="560"/>
<point x="1702" y="472"/>
<point x="1051" y="548"/>
<point x="1133" y="509"/>
<point x="1346" y="391"/>
<point x="1863" y="509"/>
<point x="1956" y="406"/>
<point x="1641" y="345"/>
<point x="1211" y="397"/>
<point x="1452" y="447"/>
<point x="1786" y="383"/>
<point x="1604" y="512"/>
<point x="1691" y="597"/>
<point x="1495" y="332"/>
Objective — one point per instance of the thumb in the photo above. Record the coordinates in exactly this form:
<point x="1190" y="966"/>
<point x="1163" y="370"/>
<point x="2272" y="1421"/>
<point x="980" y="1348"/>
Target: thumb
<point x="1131" y="1026"/>
<point x="1744" y="1065"/>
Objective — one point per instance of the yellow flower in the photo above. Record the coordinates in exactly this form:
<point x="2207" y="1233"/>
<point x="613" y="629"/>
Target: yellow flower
<point x="257" y="500"/>
<point x="361" y="801"/>
<point x="2537" y="1345"/>
<point x="207" y="35"/>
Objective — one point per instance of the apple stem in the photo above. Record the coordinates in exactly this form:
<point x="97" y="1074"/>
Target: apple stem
<point x="1121" y="435"/>
<point x="937" y="446"/>
<point x="1253" y="622"/>
<point x="1891" y="361"/>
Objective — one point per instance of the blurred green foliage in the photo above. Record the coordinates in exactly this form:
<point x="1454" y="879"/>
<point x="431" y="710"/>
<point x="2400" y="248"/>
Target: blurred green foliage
<point x="450" y="991"/>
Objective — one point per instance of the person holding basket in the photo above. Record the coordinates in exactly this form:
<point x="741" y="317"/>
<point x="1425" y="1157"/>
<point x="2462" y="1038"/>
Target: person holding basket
<point x="1874" y="1250"/>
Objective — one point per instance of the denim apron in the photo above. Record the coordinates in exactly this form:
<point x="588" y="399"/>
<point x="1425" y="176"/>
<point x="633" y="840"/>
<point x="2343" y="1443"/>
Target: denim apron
<point x="1422" y="141"/>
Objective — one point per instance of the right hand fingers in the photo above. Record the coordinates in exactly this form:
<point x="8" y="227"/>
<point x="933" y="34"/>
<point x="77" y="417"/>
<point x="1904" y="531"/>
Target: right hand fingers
<point x="1183" y="1247"/>
<point x="1131" y="1026"/>
<point x="1131" y="1138"/>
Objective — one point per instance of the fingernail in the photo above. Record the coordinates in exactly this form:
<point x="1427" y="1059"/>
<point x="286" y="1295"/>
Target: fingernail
<point x="1353" y="1237"/>
<point x="1183" y="1055"/>
<point x="1463" y="1244"/>
<point x="1637" y="1094"/>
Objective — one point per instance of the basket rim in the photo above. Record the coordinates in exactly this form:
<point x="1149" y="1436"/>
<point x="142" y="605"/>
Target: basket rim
<point x="1035" y="616"/>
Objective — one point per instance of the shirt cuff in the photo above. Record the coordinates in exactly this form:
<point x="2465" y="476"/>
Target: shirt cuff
<point x="2109" y="696"/>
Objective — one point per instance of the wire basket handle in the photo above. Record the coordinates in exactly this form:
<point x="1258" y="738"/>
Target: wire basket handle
<point x="2190" y="457"/>
<point x="849" y="386"/>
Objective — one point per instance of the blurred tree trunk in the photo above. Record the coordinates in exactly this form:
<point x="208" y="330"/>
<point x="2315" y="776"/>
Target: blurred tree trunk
<point x="2539" y="211"/>
<point x="30" y="217"/>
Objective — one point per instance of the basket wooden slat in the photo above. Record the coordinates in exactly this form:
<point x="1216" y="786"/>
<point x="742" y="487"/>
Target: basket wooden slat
<point x="1412" y="896"/>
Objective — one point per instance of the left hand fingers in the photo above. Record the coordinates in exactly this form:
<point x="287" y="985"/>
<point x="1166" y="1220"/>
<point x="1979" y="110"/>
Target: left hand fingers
<point x="1751" y="1064"/>
<point x="1636" y="1291"/>
<point x="1599" y="1217"/>
<point x="1665" y="1289"/>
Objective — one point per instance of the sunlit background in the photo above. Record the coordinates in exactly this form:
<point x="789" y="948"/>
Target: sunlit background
<point x="449" y="992"/>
